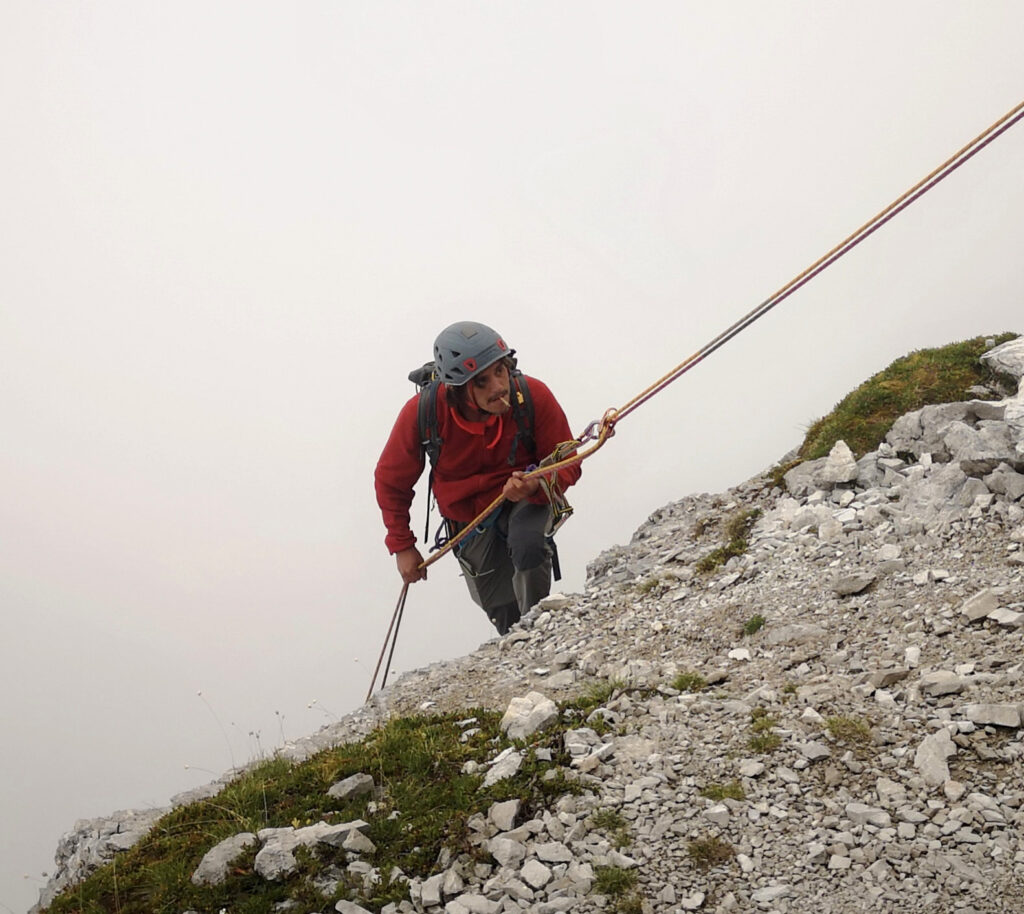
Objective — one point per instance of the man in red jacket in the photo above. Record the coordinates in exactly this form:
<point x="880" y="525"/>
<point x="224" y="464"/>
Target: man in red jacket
<point x="507" y="563"/>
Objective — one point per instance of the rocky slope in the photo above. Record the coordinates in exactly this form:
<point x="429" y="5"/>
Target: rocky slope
<point x="862" y="746"/>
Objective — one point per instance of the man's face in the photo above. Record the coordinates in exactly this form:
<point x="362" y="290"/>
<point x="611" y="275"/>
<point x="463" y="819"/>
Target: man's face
<point x="489" y="390"/>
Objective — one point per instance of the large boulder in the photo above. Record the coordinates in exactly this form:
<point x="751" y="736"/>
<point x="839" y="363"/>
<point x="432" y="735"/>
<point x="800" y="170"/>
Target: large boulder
<point x="839" y="467"/>
<point x="979" y="450"/>
<point x="923" y="431"/>
<point x="1007" y="358"/>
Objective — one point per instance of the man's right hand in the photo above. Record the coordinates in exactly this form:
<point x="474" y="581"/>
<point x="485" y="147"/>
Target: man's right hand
<point x="409" y="561"/>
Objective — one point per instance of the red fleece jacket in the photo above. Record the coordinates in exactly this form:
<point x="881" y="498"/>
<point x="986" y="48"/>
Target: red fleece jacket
<point x="473" y="466"/>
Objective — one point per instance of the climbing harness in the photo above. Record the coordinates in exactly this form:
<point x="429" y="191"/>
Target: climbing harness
<point x="599" y="431"/>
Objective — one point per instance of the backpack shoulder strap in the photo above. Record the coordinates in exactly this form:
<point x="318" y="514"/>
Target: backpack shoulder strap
<point x="523" y="413"/>
<point x="430" y="433"/>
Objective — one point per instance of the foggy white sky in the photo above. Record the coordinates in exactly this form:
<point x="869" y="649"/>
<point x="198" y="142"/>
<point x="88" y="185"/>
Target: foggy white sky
<point x="227" y="231"/>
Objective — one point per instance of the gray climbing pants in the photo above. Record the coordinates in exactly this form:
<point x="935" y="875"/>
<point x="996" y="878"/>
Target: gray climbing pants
<point x="507" y="565"/>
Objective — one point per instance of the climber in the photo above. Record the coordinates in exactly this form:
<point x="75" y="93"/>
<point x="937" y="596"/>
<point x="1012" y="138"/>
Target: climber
<point x="493" y="422"/>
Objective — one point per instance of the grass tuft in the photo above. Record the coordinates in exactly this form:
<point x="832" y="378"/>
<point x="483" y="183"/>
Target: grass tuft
<point x="689" y="681"/>
<point x="612" y="823"/>
<point x="737" y="528"/>
<point x="595" y="695"/>
<point x="765" y="742"/>
<point x="731" y="791"/>
<point x="761" y="726"/>
<point x="849" y="729"/>
<point x="614" y="881"/>
<point x="709" y="852"/>
<point x="753" y="625"/>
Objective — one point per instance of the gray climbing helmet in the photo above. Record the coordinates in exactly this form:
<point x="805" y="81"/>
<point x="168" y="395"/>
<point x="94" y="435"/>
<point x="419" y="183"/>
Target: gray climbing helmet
<point x="463" y="350"/>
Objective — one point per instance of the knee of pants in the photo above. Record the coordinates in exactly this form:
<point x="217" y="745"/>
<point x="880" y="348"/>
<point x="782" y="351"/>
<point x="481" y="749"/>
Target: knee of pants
<point x="528" y="552"/>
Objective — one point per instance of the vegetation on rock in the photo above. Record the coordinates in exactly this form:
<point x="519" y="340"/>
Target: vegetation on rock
<point x="417" y="764"/>
<point x="737" y="529"/>
<point x="922" y="378"/>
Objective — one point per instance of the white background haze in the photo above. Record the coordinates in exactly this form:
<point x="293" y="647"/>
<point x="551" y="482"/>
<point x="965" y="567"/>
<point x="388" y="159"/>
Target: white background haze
<point x="228" y="231"/>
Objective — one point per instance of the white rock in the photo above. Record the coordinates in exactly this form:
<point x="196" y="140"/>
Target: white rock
<point x="535" y="874"/>
<point x="717" y="814"/>
<point x="815" y="751"/>
<point x="503" y="815"/>
<point x="812" y="716"/>
<point x="504" y="769"/>
<point x="430" y="891"/>
<point x="553" y="852"/>
<point x="506" y="851"/>
<point x="980" y="605"/>
<point x="751" y="768"/>
<point x="862" y="814"/>
<point x="999" y="715"/>
<point x="941" y="682"/>
<point x="213" y="868"/>
<point x="555" y="602"/>
<point x="354" y="786"/>
<point x="525" y="716"/>
<point x="930" y="757"/>
<point x="770" y="893"/>
<point x="350" y="907"/>
<point x="1007" y="618"/>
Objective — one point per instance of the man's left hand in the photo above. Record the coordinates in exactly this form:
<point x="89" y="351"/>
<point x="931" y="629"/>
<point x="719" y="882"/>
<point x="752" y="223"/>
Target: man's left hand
<point x="517" y="488"/>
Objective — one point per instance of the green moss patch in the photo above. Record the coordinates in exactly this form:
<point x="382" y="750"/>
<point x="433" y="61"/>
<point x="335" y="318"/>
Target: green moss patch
<point x="922" y="378"/>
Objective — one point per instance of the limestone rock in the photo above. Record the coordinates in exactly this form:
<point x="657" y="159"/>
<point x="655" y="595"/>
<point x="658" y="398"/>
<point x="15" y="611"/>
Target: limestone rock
<point x="941" y="682"/>
<point x="213" y="868"/>
<point x="1004" y="480"/>
<point x="980" y="605"/>
<point x="350" y="907"/>
<point x="276" y="858"/>
<point x="355" y="786"/>
<point x="1007" y="618"/>
<point x="1007" y="358"/>
<point x="503" y="815"/>
<point x="930" y="757"/>
<point x="507" y="766"/>
<point x="1000" y="715"/>
<point x="850" y="584"/>
<point x="795" y="633"/>
<point x="535" y="874"/>
<point x="506" y="851"/>
<point x="525" y="716"/>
